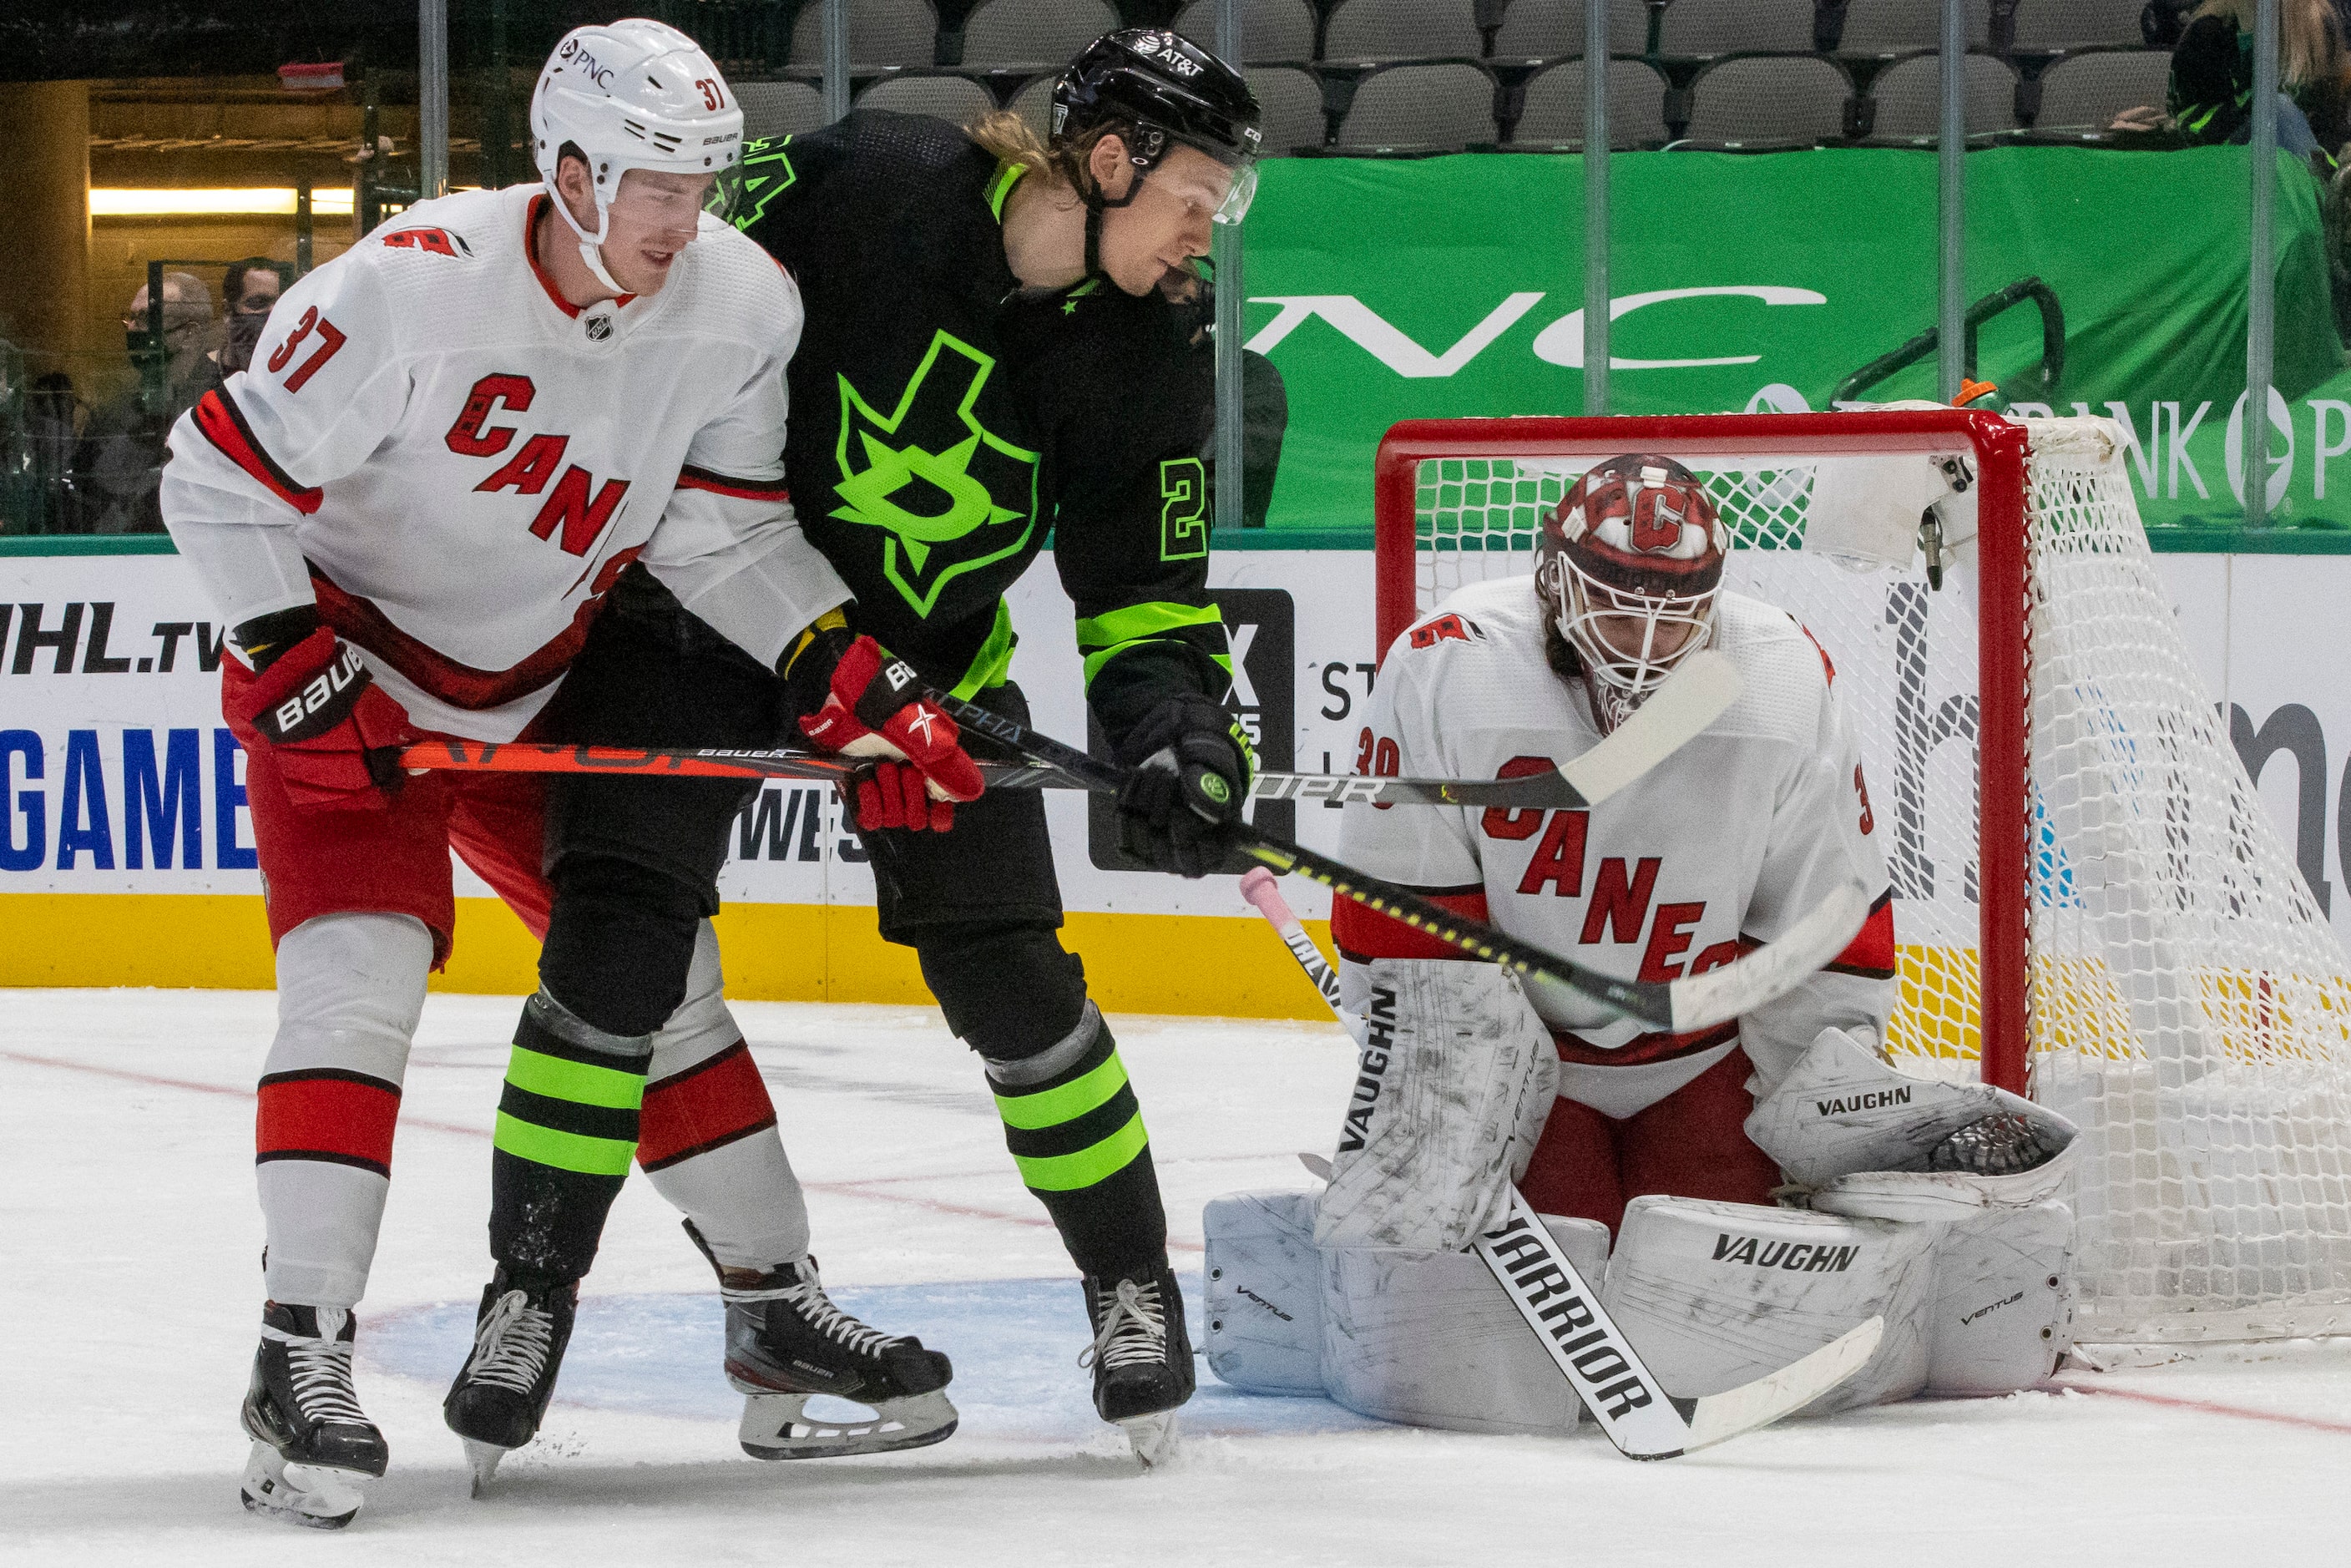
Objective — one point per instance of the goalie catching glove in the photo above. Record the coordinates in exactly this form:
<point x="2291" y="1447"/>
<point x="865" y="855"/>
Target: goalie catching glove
<point x="310" y="702"/>
<point x="1192" y="767"/>
<point x="857" y="701"/>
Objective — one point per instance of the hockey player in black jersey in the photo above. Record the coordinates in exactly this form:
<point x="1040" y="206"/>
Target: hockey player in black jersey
<point x="997" y="349"/>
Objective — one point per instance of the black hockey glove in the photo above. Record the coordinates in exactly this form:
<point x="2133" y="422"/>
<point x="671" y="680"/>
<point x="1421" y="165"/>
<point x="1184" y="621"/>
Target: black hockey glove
<point x="1191" y="769"/>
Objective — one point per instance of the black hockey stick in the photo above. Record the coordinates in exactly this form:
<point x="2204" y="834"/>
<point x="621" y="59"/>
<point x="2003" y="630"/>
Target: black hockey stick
<point x="1680" y="1006"/>
<point x="1551" y="1294"/>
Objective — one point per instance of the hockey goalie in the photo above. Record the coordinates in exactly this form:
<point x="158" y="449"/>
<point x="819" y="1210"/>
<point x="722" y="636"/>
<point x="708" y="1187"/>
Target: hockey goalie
<point x="1750" y="1191"/>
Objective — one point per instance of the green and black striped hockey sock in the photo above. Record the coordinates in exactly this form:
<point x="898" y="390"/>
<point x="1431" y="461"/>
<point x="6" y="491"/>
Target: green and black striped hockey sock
<point x="567" y="1132"/>
<point x="1076" y="1132"/>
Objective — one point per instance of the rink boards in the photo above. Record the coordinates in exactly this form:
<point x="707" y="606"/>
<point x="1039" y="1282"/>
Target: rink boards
<point x="126" y="857"/>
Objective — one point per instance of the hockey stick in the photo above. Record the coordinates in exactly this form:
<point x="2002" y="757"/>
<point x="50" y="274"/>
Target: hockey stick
<point x="1681" y="1005"/>
<point x="1607" y="1373"/>
<point x="1680" y="709"/>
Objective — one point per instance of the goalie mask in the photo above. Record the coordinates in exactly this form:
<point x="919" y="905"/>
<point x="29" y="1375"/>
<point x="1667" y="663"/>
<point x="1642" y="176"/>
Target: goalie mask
<point x="1628" y="566"/>
<point x="633" y="94"/>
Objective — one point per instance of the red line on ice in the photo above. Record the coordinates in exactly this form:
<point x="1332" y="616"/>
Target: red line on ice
<point x="847" y="1189"/>
<point x="2277" y="1417"/>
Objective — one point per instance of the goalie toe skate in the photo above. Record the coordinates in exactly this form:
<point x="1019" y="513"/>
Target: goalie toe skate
<point x="501" y="1393"/>
<point x="1141" y="1357"/>
<point x="788" y="1342"/>
<point x="313" y="1448"/>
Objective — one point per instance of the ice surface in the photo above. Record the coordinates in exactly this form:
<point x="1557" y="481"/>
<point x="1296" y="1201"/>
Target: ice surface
<point x="129" y="1291"/>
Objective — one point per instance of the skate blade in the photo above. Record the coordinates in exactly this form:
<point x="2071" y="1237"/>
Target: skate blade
<point x="314" y="1496"/>
<point x="1153" y="1437"/>
<point x="482" y="1459"/>
<point x="778" y="1426"/>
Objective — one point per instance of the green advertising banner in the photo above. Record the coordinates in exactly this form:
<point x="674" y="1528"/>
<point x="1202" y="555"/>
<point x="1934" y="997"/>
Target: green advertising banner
<point x="1393" y="289"/>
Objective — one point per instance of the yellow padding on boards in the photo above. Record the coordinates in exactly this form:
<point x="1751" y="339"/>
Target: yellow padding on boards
<point x="1197" y="964"/>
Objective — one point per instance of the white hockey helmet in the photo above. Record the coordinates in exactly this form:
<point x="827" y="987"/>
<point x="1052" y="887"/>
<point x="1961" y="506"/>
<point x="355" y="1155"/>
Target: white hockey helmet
<point x="632" y="94"/>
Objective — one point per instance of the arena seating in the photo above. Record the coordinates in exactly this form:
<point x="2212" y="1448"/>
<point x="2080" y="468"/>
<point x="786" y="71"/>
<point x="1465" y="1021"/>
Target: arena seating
<point x="1404" y="77"/>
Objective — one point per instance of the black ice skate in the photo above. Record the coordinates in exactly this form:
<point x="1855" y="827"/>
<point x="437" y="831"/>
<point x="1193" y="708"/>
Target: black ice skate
<point x="787" y="1344"/>
<point x="312" y="1446"/>
<point x="501" y="1393"/>
<point x="1142" y="1357"/>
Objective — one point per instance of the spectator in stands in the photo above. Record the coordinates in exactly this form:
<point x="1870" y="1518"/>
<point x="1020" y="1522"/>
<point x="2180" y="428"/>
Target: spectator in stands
<point x="121" y="462"/>
<point x="250" y="291"/>
<point x="2212" y="91"/>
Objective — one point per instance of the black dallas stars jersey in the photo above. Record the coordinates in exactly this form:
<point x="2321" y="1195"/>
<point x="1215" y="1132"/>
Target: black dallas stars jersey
<point x="942" y="423"/>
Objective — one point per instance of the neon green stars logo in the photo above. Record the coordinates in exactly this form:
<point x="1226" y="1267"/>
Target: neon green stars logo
<point x="741" y="195"/>
<point x="952" y="497"/>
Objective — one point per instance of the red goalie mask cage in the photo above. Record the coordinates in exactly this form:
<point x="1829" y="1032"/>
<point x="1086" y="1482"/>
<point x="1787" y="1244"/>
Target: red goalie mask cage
<point x="2090" y="903"/>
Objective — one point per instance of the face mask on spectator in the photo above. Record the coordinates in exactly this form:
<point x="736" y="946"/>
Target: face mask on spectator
<point x="244" y="336"/>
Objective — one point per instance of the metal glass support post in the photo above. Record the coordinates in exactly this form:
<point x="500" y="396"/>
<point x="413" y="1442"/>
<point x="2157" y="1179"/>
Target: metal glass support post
<point x="1595" y="206"/>
<point x="836" y="59"/>
<point x="2260" y="282"/>
<point x="1951" y="203"/>
<point x="497" y="128"/>
<point x="303" y="220"/>
<point x="1232" y="509"/>
<point x="431" y="98"/>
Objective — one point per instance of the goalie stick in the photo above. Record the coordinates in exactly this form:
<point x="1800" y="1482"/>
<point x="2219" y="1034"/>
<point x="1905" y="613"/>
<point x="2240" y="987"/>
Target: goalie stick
<point x="1591" y="1351"/>
<point x="1706" y="685"/>
<point x="1680" y="1006"/>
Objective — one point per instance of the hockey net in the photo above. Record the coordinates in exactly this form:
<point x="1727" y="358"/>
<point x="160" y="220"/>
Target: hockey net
<point x="2135" y="945"/>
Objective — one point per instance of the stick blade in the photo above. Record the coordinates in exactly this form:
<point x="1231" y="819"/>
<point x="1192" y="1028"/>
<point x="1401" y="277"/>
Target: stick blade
<point x="1723" y="1416"/>
<point x="1695" y="696"/>
<point x="1702" y="1001"/>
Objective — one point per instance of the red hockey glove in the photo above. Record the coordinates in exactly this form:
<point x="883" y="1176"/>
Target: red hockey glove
<point x="872" y="708"/>
<point x="333" y="735"/>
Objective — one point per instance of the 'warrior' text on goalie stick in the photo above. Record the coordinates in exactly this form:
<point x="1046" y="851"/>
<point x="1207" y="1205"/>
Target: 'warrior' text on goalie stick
<point x="1599" y="1362"/>
<point x="1706" y="685"/>
<point x="1692" y="1002"/>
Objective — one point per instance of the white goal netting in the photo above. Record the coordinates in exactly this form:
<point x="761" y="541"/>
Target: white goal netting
<point x="2188" y="1004"/>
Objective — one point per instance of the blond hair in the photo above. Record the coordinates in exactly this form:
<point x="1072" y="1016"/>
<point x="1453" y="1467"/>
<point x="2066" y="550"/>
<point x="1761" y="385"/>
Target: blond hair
<point x="1012" y="141"/>
<point x="2310" y="43"/>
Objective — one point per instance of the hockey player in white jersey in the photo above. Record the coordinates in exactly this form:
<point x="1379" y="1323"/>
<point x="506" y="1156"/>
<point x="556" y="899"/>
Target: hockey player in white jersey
<point x="499" y="415"/>
<point x="1468" y="1082"/>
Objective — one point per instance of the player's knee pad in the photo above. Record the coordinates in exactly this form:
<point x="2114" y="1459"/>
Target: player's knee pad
<point x="1008" y="992"/>
<point x="1866" y="1137"/>
<point x="1429" y="1338"/>
<point x="1455" y="1081"/>
<point x="621" y="942"/>
<point x="1263" y="1278"/>
<point x="350" y="988"/>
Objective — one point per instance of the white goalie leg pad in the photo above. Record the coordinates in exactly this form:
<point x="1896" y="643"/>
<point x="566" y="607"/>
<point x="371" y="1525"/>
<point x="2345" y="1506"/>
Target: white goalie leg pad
<point x="1429" y="1339"/>
<point x="1716" y="1295"/>
<point x="1264" y="1293"/>
<point x="2004" y="1307"/>
<point x="1455" y="1080"/>
<point x="1847" y="1125"/>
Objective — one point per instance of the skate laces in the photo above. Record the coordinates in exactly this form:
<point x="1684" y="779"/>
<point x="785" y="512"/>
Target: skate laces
<point x="511" y="1344"/>
<point x="818" y="1312"/>
<point x="320" y="1370"/>
<point x="1133" y="1330"/>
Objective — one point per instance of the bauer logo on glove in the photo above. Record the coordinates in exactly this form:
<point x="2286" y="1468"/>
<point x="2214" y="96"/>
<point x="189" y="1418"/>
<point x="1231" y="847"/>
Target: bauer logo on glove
<point x="321" y="705"/>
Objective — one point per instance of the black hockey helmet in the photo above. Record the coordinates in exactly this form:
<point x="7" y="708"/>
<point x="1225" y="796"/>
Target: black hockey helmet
<point x="1169" y="90"/>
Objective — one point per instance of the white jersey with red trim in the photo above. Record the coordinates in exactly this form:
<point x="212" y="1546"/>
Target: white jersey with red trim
<point x="456" y="463"/>
<point x="1720" y="848"/>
